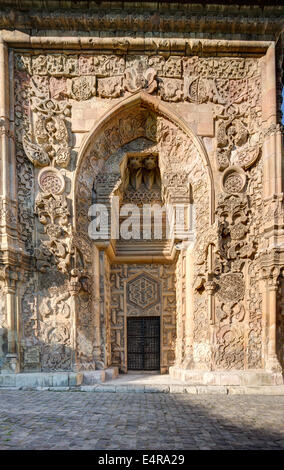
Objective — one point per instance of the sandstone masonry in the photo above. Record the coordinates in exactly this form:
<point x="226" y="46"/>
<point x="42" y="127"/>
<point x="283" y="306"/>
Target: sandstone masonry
<point x="201" y="116"/>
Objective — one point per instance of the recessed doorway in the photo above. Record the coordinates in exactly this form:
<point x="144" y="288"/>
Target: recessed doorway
<point x="143" y="343"/>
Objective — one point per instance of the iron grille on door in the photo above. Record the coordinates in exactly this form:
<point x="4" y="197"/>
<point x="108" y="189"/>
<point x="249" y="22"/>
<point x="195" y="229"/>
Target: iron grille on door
<point x="143" y="343"/>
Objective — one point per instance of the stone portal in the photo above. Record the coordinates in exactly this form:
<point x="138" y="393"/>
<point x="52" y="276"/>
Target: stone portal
<point x="191" y="124"/>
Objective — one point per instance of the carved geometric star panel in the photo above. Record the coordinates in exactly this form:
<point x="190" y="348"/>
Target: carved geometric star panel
<point x="143" y="291"/>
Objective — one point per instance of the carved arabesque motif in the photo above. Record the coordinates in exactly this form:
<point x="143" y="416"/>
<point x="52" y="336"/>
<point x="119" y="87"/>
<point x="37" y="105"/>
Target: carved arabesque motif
<point x="253" y="294"/>
<point x="47" y="323"/>
<point x="53" y="213"/>
<point x="238" y="313"/>
<point x="29" y="312"/>
<point x="25" y="170"/>
<point x="55" y="328"/>
<point x="49" y="140"/>
<point x="219" y="80"/>
<point x="181" y="351"/>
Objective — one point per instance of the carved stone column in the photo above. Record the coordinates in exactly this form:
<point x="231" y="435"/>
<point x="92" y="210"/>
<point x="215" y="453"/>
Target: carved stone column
<point x="11" y="361"/>
<point x="181" y="306"/>
<point x="74" y="288"/>
<point x="189" y="321"/>
<point x="272" y="360"/>
<point x="103" y="322"/>
<point x="272" y="154"/>
<point x="4" y="115"/>
<point x="210" y="288"/>
<point x="10" y="299"/>
<point x="10" y="248"/>
<point x="8" y="194"/>
<point x="273" y="217"/>
<point x="98" y="306"/>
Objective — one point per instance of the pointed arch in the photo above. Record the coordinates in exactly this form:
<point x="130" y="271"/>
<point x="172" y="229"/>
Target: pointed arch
<point x="138" y="102"/>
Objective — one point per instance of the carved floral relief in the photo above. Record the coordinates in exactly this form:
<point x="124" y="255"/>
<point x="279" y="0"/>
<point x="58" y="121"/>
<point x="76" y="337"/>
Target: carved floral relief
<point x="46" y="88"/>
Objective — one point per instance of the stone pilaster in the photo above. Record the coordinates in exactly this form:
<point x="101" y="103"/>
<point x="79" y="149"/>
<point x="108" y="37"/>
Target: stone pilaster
<point x="272" y="360"/>
<point x="12" y="359"/>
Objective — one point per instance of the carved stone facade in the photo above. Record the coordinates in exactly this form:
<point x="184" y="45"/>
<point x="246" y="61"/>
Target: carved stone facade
<point x="142" y="123"/>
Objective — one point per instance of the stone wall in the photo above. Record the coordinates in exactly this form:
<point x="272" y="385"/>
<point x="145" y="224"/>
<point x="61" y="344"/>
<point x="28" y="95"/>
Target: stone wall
<point x="210" y="118"/>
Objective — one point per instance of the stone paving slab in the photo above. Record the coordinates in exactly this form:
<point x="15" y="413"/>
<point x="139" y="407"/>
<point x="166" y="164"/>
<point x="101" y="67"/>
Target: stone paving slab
<point x="125" y="421"/>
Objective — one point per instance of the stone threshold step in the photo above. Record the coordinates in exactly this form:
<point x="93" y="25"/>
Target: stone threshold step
<point x="232" y="378"/>
<point x="56" y="379"/>
<point x="175" y="389"/>
<point x="193" y="390"/>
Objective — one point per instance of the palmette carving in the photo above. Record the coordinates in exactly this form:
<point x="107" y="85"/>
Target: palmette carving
<point x="236" y="250"/>
<point x="29" y="312"/>
<point x="35" y="153"/>
<point x="101" y="65"/>
<point x="57" y="65"/>
<point x="58" y="88"/>
<point x="25" y="170"/>
<point x="49" y="107"/>
<point x="226" y="68"/>
<point x="110" y="87"/>
<point x="136" y="78"/>
<point x="3" y="321"/>
<point x="247" y="156"/>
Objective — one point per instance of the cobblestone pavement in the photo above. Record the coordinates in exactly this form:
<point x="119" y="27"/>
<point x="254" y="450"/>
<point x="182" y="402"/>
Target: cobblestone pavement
<point x="123" y="421"/>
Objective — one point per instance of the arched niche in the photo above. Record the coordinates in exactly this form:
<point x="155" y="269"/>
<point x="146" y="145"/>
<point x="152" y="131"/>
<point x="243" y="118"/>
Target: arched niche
<point x="183" y="160"/>
<point x="139" y="123"/>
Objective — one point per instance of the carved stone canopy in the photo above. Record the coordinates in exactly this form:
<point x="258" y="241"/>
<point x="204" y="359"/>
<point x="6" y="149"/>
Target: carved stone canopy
<point x="140" y="116"/>
<point x="167" y="170"/>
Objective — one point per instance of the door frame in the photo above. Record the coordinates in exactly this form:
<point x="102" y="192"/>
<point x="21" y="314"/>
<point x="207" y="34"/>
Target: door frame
<point x="160" y="339"/>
